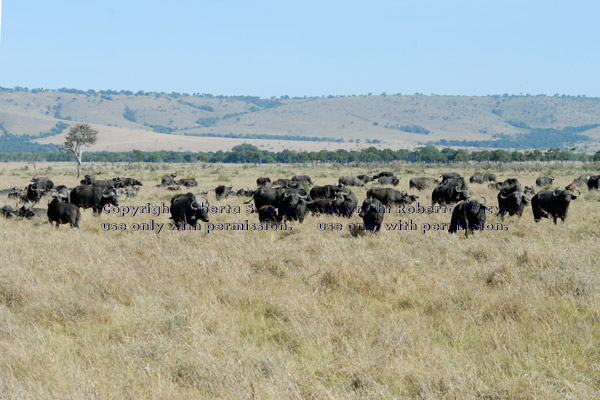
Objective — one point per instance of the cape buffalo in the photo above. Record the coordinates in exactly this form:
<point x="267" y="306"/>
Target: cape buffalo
<point x="446" y="194"/>
<point x="543" y="181"/>
<point x="293" y="205"/>
<point x="262" y="181"/>
<point x="244" y="192"/>
<point x="186" y="209"/>
<point x="188" y="182"/>
<point x="302" y="178"/>
<point x="326" y="206"/>
<point x="389" y="180"/>
<point x="43" y="183"/>
<point x="381" y="174"/>
<point x="451" y="175"/>
<point x="327" y="191"/>
<point x="389" y="196"/>
<point x="511" y="203"/>
<point x="477" y="178"/>
<point x="168" y="180"/>
<point x="132" y="182"/>
<point x="594" y="182"/>
<point x="222" y="191"/>
<point x="28" y="211"/>
<point x="33" y="194"/>
<point x="350" y="181"/>
<point x="421" y="183"/>
<point x="468" y="215"/>
<point x="9" y="212"/>
<point x="372" y="212"/>
<point x="349" y="204"/>
<point x="365" y="178"/>
<point x="552" y="203"/>
<point x="268" y="213"/>
<point x="489" y="177"/>
<point x="264" y="196"/>
<point x="63" y="213"/>
<point x="95" y="197"/>
<point x="282" y="182"/>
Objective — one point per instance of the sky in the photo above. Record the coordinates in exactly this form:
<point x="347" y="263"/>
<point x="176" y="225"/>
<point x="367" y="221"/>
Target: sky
<point x="303" y="48"/>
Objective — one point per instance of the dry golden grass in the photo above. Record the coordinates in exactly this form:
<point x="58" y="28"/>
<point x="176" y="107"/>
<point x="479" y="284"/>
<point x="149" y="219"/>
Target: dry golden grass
<point x="299" y="314"/>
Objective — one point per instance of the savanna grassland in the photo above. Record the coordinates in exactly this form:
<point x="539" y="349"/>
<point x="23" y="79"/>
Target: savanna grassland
<point x="87" y="313"/>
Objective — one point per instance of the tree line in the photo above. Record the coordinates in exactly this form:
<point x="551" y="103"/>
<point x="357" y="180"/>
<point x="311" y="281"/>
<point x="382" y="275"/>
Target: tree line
<point x="246" y="153"/>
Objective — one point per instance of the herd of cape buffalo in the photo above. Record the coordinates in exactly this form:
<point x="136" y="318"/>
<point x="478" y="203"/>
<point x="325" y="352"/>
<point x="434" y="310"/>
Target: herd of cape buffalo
<point x="292" y="199"/>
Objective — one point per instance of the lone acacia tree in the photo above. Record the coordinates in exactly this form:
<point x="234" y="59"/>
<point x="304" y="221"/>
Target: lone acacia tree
<point x="79" y="136"/>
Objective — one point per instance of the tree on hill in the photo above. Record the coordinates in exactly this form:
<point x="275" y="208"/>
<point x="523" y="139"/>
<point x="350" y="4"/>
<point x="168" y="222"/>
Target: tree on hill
<point x="79" y="137"/>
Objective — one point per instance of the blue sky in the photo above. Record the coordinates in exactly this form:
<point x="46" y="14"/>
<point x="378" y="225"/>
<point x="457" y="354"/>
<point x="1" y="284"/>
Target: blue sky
<point x="303" y="48"/>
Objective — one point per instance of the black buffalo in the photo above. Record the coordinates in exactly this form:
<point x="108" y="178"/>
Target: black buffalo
<point x="186" y="209"/>
<point x="388" y="196"/>
<point x="469" y="216"/>
<point x="326" y="206"/>
<point x="244" y="192"/>
<point x="511" y="202"/>
<point x="477" y="178"/>
<point x="265" y="196"/>
<point x="282" y="182"/>
<point x="293" y="205"/>
<point x="28" y="211"/>
<point x="450" y="175"/>
<point x="132" y="182"/>
<point x="94" y="197"/>
<point x="456" y="182"/>
<point x="489" y="177"/>
<point x="268" y="214"/>
<point x="349" y="204"/>
<point x="381" y="174"/>
<point x="421" y="183"/>
<point x="302" y="178"/>
<point x="188" y="182"/>
<point x="389" y="180"/>
<point x="87" y="180"/>
<point x="447" y="194"/>
<point x="365" y="178"/>
<point x="372" y="212"/>
<point x="262" y="181"/>
<point x="168" y="180"/>
<point x="62" y="193"/>
<point x="33" y="194"/>
<point x="350" y="181"/>
<point x="222" y="191"/>
<point x="327" y="191"/>
<point x="17" y="193"/>
<point x="593" y="182"/>
<point x="543" y="181"/>
<point x="63" y="213"/>
<point x="105" y="183"/>
<point x="9" y="212"/>
<point x="553" y="204"/>
<point x="508" y="182"/>
<point x="43" y="183"/>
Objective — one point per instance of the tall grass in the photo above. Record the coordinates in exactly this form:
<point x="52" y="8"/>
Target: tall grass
<point x="298" y="314"/>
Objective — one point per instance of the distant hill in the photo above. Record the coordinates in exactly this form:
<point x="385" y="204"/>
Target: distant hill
<point x="160" y="121"/>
